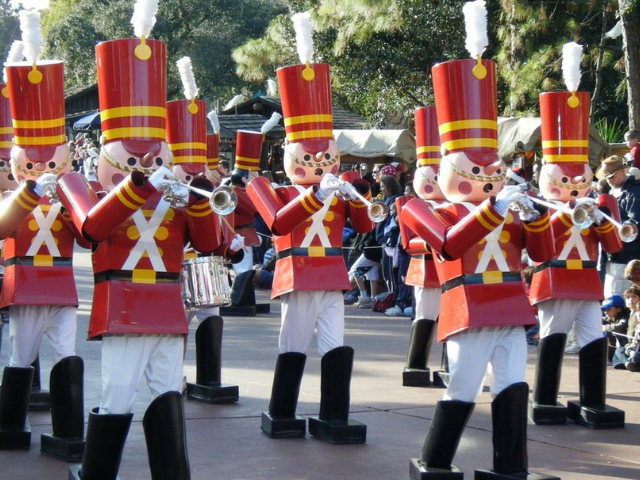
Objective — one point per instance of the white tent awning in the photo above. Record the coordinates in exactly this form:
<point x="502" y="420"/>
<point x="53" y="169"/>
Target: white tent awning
<point x="399" y="144"/>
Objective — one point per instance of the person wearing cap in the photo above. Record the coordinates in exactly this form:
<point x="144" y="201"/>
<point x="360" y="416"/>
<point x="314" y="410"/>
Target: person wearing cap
<point x="38" y="288"/>
<point x="563" y="303"/>
<point x="626" y="189"/>
<point x="307" y="221"/>
<point x="138" y="231"/>
<point x="479" y="242"/>
<point x="422" y="274"/>
<point x="615" y="321"/>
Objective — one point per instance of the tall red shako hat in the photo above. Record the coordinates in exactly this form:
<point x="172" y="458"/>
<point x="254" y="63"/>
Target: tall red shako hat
<point x="565" y="118"/>
<point x="427" y="138"/>
<point x="213" y="142"/>
<point x="186" y="125"/>
<point x="249" y="146"/>
<point x="132" y="86"/>
<point x="305" y="93"/>
<point x="36" y="94"/>
<point x="465" y="95"/>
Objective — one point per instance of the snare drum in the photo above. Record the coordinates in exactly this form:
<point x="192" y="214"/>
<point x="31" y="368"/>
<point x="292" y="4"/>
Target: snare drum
<point x="205" y="283"/>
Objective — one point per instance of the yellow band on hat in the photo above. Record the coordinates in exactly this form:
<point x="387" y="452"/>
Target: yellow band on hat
<point x="188" y="145"/>
<point x="304" y="134"/>
<point x="324" y="118"/>
<point x="52" y="140"/>
<point x="135" y="132"/>
<point x="573" y="158"/>
<point x="52" y="123"/>
<point x="565" y="143"/>
<point x="6" y="144"/>
<point x="189" y="159"/>
<point x="6" y="130"/>
<point x="140" y="111"/>
<point x="467" y="124"/>
<point x="428" y="149"/>
<point x="425" y="162"/>
<point x="470" y="143"/>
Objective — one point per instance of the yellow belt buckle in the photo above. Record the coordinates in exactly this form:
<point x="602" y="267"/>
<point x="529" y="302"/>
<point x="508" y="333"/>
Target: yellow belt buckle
<point x="316" y="252"/>
<point x="574" y="264"/>
<point x="489" y="278"/>
<point x="143" y="276"/>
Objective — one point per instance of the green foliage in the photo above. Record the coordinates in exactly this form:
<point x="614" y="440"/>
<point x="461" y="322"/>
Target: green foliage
<point x="9" y="27"/>
<point x="611" y="131"/>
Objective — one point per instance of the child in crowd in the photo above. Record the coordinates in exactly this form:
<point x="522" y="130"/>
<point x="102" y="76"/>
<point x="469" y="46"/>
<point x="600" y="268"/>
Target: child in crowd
<point x="615" y="321"/>
<point x="628" y="356"/>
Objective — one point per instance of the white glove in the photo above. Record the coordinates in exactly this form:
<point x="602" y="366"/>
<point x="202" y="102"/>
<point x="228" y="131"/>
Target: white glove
<point x="506" y="197"/>
<point x="528" y="212"/>
<point x="237" y="243"/>
<point x="161" y="178"/>
<point x="182" y="194"/>
<point x="42" y="182"/>
<point x="328" y="185"/>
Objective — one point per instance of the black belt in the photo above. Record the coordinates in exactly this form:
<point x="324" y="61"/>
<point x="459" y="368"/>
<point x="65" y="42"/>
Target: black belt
<point x="55" y="261"/>
<point x="563" y="264"/>
<point x="477" y="278"/>
<point x="127" y="276"/>
<point x="422" y="257"/>
<point x="304" y="252"/>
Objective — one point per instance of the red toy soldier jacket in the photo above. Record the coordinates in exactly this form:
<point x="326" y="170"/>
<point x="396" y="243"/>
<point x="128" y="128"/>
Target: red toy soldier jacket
<point x="138" y="257"/>
<point x="577" y="252"/>
<point x="479" y="261"/>
<point x="38" y="250"/>
<point x="243" y="218"/>
<point x="307" y="235"/>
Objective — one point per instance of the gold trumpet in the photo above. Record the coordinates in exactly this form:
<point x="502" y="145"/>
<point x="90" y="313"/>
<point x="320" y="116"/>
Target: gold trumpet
<point x="376" y="211"/>
<point x="223" y="200"/>
<point x="584" y="215"/>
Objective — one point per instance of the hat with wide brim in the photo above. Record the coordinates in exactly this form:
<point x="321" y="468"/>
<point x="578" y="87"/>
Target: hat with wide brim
<point x="609" y="167"/>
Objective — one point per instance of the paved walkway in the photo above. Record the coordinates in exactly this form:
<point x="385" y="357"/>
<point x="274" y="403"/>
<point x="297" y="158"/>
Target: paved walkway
<point x="225" y="441"/>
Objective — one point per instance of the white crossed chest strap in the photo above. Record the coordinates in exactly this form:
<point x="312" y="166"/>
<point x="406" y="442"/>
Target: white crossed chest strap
<point x="317" y="226"/>
<point x="44" y="234"/>
<point x="146" y="242"/>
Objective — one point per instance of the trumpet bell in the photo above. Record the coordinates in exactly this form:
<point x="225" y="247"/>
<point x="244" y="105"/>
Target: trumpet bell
<point x="582" y="216"/>
<point x="223" y="200"/>
<point x="628" y="232"/>
<point x="377" y="212"/>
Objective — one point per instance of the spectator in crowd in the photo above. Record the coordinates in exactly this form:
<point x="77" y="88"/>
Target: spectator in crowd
<point x="401" y="259"/>
<point x="366" y="267"/>
<point x="615" y="321"/>
<point x="264" y="271"/>
<point x="626" y="189"/>
<point x="622" y="354"/>
<point x="632" y="139"/>
<point x="632" y="272"/>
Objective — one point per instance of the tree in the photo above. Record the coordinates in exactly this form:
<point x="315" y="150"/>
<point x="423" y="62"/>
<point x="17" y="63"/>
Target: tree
<point x="629" y="12"/>
<point x="9" y="27"/>
<point x="205" y="30"/>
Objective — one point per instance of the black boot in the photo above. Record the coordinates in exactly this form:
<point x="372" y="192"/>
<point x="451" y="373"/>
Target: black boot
<point x="67" y="411"/>
<point x="243" y="296"/>
<point x="544" y="408"/>
<point x="591" y="411"/>
<point x="40" y="399"/>
<point x="208" y="387"/>
<point x="509" y="416"/>
<point x="449" y="420"/>
<point x="416" y="373"/>
<point x="281" y="420"/>
<point x="441" y="377"/>
<point x="106" y="435"/>
<point x="15" y="432"/>
<point x="332" y="424"/>
<point x="164" y="431"/>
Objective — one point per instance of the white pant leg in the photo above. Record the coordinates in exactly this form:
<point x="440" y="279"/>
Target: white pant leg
<point x="427" y="302"/>
<point x="61" y="331"/>
<point x="556" y="315"/>
<point x="246" y="263"/>
<point x="164" y="367"/>
<point x="588" y="326"/>
<point x="330" y="323"/>
<point x="472" y="351"/>
<point x="202" y="314"/>
<point x="26" y="327"/>
<point x="299" y="315"/>
<point x="124" y="358"/>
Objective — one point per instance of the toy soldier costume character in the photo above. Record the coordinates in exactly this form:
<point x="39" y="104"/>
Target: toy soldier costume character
<point x="483" y="308"/>
<point x="39" y="287"/>
<point x="138" y="238"/>
<point x="561" y="301"/>
<point x="306" y="220"/>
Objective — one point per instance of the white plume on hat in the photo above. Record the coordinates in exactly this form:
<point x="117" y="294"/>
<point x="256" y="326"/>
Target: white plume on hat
<point x="16" y="54"/>
<point x="571" y="53"/>
<point x="213" y="119"/>
<point x="144" y="17"/>
<point x="188" y="80"/>
<point x="272" y="87"/>
<point x="475" y="22"/>
<point x="304" y="41"/>
<point x="31" y="34"/>
<point x="272" y="122"/>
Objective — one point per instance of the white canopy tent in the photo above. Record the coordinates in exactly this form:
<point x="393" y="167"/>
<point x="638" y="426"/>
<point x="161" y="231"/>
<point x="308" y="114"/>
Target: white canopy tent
<point x="399" y="144"/>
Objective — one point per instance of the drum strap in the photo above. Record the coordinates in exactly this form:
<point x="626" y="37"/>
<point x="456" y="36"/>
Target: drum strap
<point x="127" y="276"/>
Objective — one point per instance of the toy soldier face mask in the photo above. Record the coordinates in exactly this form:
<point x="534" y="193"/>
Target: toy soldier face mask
<point x="462" y="180"/>
<point x="425" y="183"/>
<point x="559" y="184"/>
<point x="306" y="166"/>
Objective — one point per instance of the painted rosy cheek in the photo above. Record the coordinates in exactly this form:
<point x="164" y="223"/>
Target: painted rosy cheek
<point x="465" y="188"/>
<point x="116" y="178"/>
<point x="428" y="189"/>
<point x="555" y="192"/>
<point x="300" y="172"/>
<point x="334" y="169"/>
